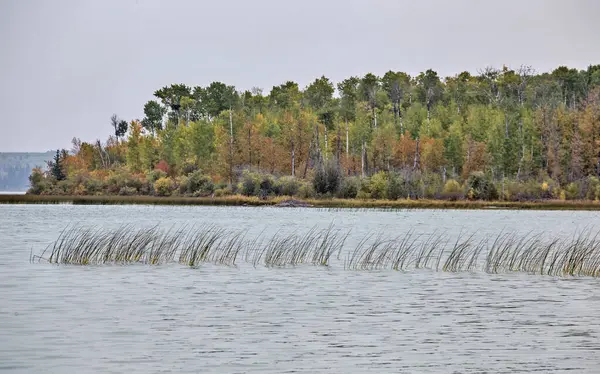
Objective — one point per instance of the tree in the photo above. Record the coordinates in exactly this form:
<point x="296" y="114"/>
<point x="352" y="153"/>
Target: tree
<point x="119" y="126"/>
<point x="369" y="86"/>
<point x="285" y="96"/>
<point x="431" y="89"/>
<point x="395" y="84"/>
<point x="171" y="97"/>
<point x="57" y="168"/>
<point x="348" y="89"/>
<point x="153" y="116"/>
<point x="218" y="97"/>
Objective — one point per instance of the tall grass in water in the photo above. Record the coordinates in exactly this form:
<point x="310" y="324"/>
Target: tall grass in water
<point x="192" y="246"/>
<point x="89" y="246"/>
<point x="315" y="247"/>
<point x="125" y="245"/>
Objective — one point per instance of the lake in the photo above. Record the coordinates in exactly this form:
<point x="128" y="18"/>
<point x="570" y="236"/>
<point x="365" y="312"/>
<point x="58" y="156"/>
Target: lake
<point x="305" y="319"/>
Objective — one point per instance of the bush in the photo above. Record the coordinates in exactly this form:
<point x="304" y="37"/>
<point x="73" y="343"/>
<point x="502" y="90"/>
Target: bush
<point x="38" y="183"/>
<point x="163" y="186"/>
<point x="349" y="188"/>
<point x="196" y="184"/>
<point x="480" y="187"/>
<point x="266" y="186"/>
<point x="572" y="191"/>
<point x="306" y="191"/>
<point x="220" y="192"/>
<point x="432" y="185"/>
<point x="592" y="188"/>
<point x="523" y="191"/>
<point x="155" y="175"/>
<point x="378" y="185"/>
<point x="93" y="186"/>
<point x="327" y="178"/>
<point x="287" y="186"/>
<point x="452" y="190"/>
<point x="250" y="183"/>
<point x="363" y="195"/>
<point x="395" y="187"/>
<point x="127" y="191"/>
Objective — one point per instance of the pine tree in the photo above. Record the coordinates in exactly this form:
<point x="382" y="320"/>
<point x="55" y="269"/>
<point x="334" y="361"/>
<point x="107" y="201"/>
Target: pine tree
<point x="57" y="167"/>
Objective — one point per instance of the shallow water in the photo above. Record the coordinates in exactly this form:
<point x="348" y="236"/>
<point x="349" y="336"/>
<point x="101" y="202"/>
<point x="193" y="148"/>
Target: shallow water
<point x="146" y="319"/>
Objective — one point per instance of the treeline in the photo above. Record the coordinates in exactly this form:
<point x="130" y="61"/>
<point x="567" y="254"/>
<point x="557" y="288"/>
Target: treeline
<point x="16" y="167"/>
<point x="501" y="134"/>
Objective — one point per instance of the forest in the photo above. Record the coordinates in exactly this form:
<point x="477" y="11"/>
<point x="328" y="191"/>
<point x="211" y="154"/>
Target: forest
<point x="500" y="134"/>
<point x="16" y="167"/>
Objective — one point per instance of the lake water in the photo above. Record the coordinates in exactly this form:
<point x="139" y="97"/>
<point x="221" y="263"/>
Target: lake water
<point x="306" y="319"/>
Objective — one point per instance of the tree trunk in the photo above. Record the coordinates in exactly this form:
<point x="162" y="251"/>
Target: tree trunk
<point x="230" y="147"/>
<point x="401" y="122"/>
<point x="307" y="159"/>
<point x="326" y="143"/>
<point x="347" y="138"/>
<point x="338" y="150"/>
<point x="250" y="147"/>
<point x="375" y="117"/>
<point x="293" y="160"/>
<point x="362" y="159"/>
<point x="417" y="162"/>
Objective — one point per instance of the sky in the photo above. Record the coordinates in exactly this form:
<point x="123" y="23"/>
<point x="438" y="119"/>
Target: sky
<point x="67" y="65"/>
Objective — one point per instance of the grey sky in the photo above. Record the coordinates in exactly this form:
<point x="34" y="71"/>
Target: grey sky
<point x="67" y="65"/>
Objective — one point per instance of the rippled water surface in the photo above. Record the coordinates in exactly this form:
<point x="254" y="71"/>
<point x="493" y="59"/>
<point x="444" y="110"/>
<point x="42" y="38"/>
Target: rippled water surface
<point x="170" y="318"/>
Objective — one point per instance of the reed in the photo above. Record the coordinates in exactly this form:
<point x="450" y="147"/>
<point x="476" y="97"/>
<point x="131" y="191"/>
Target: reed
<point x="532" y="253"/>
<point x="315" y="247"/>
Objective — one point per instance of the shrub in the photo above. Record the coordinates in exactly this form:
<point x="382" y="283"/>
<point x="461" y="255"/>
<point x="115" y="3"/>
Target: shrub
<point x="378" y="185"/>
<point x="155" y="175"/>
<point x="162" y="166"/>
<point x="327" y="178"/>
<point x="349" y="188"/>
<point x="306" y="191"/>
<point x="163" y="186"/>
<point x="250" y="183"/>
<point x="363" y="195"/>
<point x="432" y="185"/>
<point x="572" y="191"/>
<point x="189" y="168"/>
<point x="38" y="183"/>
<point x="287" y="186"/>
<point x="395" y="187"/>
<point x="196" y="184"/>
<point x="524" y="191"/>
<point x="266" y="186"/>
<point x="592" y="188"/>
<point x="452" y="190"/>
<point x="127" y="191"/>
<point x="93" y="186"/>
<point x="481" y="187"/>
<point x="220" y="192"/>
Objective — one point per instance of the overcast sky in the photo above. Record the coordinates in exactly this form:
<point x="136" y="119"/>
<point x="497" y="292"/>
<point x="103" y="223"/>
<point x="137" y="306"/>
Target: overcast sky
<point x="67" y="65"/>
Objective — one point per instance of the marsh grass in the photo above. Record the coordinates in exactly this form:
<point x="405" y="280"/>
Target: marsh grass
<point x="314" y="247"/>
<point x="532" y="253"/>
<point x="238" y="200"/>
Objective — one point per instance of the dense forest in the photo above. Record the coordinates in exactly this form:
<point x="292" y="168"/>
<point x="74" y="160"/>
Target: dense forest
<point x="16" y="167"/>
<point x="511" y="134"/>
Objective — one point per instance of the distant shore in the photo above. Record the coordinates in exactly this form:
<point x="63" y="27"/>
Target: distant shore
<point x="239" y="200"/>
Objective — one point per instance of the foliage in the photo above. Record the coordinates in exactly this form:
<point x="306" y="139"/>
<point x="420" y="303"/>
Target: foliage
<point x="531" y="136"/>
<point x="163" y="186"/>
<point x="452" y="190"/>
<point x="327" y="178"/>
<point x="480" y="187"/>
<point x="196" y="184"/>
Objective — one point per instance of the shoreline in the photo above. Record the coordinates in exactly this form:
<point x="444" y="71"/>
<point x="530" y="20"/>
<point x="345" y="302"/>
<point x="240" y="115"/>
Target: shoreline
<point x="238" y="200"/>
